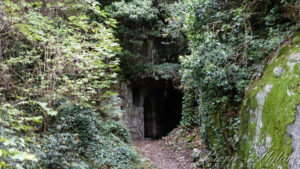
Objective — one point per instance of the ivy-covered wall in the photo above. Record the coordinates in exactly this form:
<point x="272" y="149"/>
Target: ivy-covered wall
<point x="150" y="33"/>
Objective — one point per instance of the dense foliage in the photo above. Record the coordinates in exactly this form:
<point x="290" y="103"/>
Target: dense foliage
<point x="77" y="138"/>
<point x="229" y="43"/>
<point x="19" y="127"/>
<point x="53" y="47"/>
<point x="73" y="49"/>
<point x="50" y="49"/>
<point x="150" y="33"/>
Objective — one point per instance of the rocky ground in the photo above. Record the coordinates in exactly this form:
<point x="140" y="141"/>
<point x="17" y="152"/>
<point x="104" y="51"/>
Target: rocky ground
<point x="171" y="152"/>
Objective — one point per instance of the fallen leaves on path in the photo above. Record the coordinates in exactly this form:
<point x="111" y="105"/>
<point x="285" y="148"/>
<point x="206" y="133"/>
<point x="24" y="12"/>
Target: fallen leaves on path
<point x="162" y="156"/>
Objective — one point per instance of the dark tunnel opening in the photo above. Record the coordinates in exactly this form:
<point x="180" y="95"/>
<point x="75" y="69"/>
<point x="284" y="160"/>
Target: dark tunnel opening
<point x="162" y="108"/>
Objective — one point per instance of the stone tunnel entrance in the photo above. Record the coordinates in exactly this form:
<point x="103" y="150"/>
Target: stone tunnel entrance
<point x="162" y="109"/>
<point x="154" y="109"/>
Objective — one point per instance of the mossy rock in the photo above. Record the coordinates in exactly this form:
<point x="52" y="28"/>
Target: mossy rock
<point x="268" y="110"/>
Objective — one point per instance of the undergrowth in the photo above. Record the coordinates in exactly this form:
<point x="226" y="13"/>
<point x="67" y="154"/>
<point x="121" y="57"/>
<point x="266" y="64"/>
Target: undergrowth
<point x="77" y="137"/>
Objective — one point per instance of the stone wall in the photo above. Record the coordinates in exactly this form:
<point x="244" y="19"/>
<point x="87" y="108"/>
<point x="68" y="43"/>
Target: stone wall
<point x="133" y="113"/>
<point x="151" y="108"/>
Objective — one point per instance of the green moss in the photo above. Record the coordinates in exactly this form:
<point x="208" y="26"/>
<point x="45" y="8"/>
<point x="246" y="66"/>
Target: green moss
<point x="249" y="104"/>
<point x="278" y="111"/>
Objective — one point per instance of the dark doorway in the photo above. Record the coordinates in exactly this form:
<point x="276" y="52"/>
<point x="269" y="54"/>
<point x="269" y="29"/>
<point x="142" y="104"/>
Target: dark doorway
<point x="162" y="108"/>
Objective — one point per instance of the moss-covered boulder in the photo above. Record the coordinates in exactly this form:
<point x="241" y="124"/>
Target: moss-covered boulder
<point x="270" y="114"/>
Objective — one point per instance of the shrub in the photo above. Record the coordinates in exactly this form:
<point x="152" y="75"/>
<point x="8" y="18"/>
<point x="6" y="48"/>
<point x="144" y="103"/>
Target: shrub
<point x="77" y="138"/>
<point x="229" y="43"/>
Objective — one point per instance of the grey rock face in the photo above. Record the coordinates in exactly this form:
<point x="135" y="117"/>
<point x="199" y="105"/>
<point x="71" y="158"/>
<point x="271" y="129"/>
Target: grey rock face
<point x="133" y="115"/>
<point x="260" y="97"/>
<point x="278" y="71"/>
<point x="294" y="131"/>
<point x="258" y="146"/>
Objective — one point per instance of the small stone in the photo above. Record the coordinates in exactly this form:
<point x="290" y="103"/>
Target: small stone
<point x="278" y="71"/>
<point x="195" y="154"/>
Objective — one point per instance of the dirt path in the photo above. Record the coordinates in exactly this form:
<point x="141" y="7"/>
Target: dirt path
<point x="162" y="156"/>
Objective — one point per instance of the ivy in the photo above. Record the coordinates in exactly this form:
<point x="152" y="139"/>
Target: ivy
<point x="53" y="49"/>
<point x="18" y="137"/>
<point x="49" y="53"/>
<point x="229" y="43"/>
<point x="190" y="114"/>
<point x="78" y="137"/>
<point x="150" y="32"/>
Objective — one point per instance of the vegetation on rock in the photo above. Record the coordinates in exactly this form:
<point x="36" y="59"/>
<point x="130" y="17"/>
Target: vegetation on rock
<point x="80" y="49"/>
<point x="151" y="33"/>
<point x="278" y="110"/>
<point x="229" y="43"/>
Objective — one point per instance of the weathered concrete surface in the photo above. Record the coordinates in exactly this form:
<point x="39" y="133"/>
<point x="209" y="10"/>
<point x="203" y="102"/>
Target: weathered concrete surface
<point x="133" y="114"/>
<point x="151" y="108"/>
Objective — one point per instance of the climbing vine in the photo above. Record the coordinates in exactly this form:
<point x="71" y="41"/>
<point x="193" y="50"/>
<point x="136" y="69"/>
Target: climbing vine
<point x="54" y="54"/>
<point x="75" y="49"/>
<point x="76" y="137"/>
<point x="150" y="33"/>
<point x="47" y="51"/>
<point x="229" y="42"/>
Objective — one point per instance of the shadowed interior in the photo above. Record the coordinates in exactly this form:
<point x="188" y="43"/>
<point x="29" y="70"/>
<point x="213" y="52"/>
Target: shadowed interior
<point x="162" y="107"/>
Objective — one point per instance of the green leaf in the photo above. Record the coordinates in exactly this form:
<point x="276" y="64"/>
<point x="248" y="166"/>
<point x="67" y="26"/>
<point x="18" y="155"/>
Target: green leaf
<point x="22" y="156"/>
<point x="37" y="119"/>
